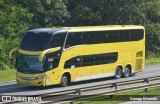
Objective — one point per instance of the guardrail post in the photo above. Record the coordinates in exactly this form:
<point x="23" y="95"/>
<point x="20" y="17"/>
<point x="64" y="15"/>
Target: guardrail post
<point x="111" y="96"/>
<point x="71" y="102"/>
<point x="115" y="85"/>
<point x="146" y="90"/>
<point x="78" y="91"/>
<point x="146" y="80"/>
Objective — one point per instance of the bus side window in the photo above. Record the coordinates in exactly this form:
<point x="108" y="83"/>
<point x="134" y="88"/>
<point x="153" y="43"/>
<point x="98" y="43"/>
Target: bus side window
<point x="112" y="57"/>
<point x="72" y="63"/>
<point x="101" y="37"/>
<point x="103" y="59"/>
<point x="114" y="36"/>
<point x="52" y="62"/>
<point x="90" y="61"/>
<point x="57" y="40"/>
<point x="83" y="61"/>
<point x="87" y="61"/>
<point x="88" y="38"/>
<point x="137" y="35"/>
<point x="96" y="60"/>
<point x="125" y="36"/>
<point x="108" y="58"/>
<point x="73" y="39"/>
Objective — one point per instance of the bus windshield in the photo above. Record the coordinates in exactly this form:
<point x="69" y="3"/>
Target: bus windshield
<point x="35" y="41"/>
<point x="30" y="64"/>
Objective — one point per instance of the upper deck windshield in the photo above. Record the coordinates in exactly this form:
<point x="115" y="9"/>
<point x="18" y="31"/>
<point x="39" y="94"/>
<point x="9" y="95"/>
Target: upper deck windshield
<point x="35" y="41"/>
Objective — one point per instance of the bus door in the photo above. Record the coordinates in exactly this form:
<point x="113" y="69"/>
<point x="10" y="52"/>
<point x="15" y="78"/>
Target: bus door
<point x="84" y="71"/>
<point x="90" y="67"/>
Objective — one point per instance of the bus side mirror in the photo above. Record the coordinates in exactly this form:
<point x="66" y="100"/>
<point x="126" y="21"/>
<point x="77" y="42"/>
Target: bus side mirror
<point x="11" y="52"/>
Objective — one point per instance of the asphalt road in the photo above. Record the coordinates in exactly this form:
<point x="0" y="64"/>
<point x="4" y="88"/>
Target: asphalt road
<point x="11" y="88"/>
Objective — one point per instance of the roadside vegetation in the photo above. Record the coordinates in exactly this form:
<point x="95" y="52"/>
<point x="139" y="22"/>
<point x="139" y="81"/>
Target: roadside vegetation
<point x="120" y="98"/>
<point x="152" y="61"/>
<point x="7" y="75"/>
<point x="152" y="58"/>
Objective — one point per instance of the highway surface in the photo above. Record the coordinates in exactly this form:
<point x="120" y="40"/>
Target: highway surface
<point x="11" y="88"/>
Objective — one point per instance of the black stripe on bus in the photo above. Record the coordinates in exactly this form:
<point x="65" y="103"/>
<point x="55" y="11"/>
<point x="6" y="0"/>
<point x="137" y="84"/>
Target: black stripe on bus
<point x="90" y="60"/>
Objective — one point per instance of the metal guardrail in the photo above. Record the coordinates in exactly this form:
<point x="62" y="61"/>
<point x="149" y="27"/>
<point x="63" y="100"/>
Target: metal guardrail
<point x="108" y="85"/>
<point x="107" y="89"/>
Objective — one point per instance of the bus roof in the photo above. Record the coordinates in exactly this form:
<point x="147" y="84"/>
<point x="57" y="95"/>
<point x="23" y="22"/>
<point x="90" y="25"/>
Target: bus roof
<point x="87" y="28"/>
<point x="51" y="30"/>
<point x="103" y="28"/>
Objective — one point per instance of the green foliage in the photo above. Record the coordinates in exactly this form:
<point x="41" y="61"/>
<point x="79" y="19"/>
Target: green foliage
<point x="5" y="47"/>
<point x="121" y="12"/>
<point x="14" y="21"/>
<point x="17" y="16"/>
<point x="83" y="15"/>
<point x="7" y="75"/>
<point x="47" y="12"/>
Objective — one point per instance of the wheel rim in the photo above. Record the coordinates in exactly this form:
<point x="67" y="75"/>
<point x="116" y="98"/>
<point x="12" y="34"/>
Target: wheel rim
<point x="127" y="72"/>
<point x="118" y="73"/>
<point x="64" y="81"/>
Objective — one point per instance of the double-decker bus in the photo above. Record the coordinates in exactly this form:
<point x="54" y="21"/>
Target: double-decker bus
<point x="50" y="56"/>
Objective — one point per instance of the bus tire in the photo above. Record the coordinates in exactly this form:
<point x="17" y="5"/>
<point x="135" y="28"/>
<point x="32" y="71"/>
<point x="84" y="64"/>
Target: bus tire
<point x="65" y="80"/>
<point x="118" y="73"/>
<point x="127" y="72"/>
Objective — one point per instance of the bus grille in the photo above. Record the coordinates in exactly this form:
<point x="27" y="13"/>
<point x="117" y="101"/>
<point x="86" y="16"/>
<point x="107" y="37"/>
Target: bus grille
<point x="138" y="64"/>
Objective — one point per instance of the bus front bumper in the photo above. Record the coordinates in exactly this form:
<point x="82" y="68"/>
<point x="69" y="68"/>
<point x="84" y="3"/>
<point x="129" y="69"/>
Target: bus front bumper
<point x="36" y="81"/>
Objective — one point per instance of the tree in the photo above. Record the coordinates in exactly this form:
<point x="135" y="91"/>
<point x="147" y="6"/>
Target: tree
<point x="47" y="13"/>
<point x="14" y="21"/>
<point x="121" y="12"/>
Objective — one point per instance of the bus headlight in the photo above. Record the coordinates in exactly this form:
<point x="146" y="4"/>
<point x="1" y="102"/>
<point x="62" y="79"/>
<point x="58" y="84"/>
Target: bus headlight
<point x="25" y="78"/>
<point x="40" y="77"/>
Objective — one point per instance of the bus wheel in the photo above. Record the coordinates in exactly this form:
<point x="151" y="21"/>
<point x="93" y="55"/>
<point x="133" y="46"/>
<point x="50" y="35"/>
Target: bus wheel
<point x="118" y="72"/>
<point x="127" y="72"/>
<point x="64" y="80"/>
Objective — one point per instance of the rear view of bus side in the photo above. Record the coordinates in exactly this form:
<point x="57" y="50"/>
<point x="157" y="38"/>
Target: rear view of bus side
<point x="74" y="54"/>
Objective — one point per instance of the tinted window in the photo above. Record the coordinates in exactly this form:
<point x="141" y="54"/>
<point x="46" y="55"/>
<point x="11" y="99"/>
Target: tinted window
<point x="119" y="36"/>
<point x="73" y="39"/>
<point x="113" y="36"/>
<point x="89" y="60"/>
<point x="137" y="34"/>
<point x="73" y="62"/>
<point x="103" y="37"/>
<point x="125" y="35"/>
<point x="57" y="40"/>
<point x="35" y="41"/>
<point x="80" y="38"/>
<point x="111" y="57"/>
<point x="52" y="60"/>
<point x="88" y="38"/>
<point x="131" y="35"/>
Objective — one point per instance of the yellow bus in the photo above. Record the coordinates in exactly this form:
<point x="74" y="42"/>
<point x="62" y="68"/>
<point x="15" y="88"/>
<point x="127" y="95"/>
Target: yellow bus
<point x="50" y="56"/>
